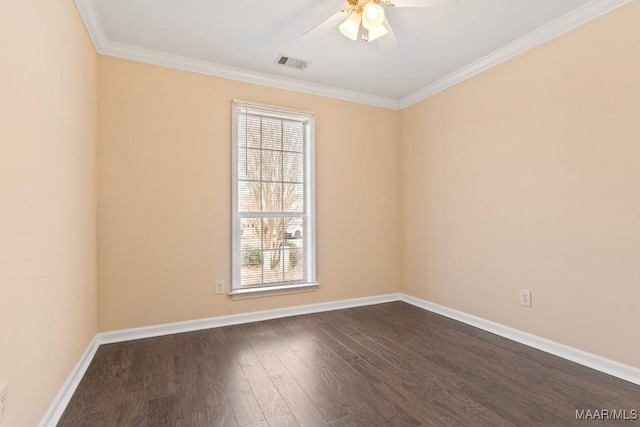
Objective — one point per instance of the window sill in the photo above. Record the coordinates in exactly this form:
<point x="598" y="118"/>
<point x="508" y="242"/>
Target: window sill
<point x="240" y="294"/>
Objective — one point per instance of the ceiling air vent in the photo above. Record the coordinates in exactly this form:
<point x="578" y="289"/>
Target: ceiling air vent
<point x="287" y="61"/>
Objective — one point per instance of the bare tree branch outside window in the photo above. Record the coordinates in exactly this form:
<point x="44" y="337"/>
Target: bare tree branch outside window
<point x="271" y="180"/>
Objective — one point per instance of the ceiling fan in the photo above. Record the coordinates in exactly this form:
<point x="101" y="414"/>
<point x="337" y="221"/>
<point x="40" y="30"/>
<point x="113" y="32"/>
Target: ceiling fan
<point x="365" y="20"/>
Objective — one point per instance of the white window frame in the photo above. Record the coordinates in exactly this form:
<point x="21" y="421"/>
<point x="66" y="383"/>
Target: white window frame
<point x="309" y="281"/>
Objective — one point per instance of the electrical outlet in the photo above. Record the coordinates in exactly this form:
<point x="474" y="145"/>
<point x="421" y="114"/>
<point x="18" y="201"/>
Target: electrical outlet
<point x="219" y="287"/>
<point x="525" y="297"/>
<point x="4" y="402"/>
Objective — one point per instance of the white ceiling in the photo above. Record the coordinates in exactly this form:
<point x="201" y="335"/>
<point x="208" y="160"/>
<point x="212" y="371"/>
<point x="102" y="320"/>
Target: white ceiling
<point x="243" y="37"/>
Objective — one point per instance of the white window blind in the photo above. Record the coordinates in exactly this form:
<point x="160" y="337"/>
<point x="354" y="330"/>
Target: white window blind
<point x="273" y="197"/>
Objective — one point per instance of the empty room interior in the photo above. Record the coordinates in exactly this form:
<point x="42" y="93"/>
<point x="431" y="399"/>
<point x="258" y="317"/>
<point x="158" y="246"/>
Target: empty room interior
<point x="336" y="213"/>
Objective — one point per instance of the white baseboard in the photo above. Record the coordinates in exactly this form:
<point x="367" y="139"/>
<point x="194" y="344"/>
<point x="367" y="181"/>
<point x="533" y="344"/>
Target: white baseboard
<point x="59" y="404"/>
<point x="616" y="369"/>
<point x="237" y="319"/>
<point x="598" y="363"/>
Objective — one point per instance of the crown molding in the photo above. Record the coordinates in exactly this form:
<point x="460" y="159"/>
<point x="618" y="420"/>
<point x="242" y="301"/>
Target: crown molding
<point x="233" y="73"/>
<point x="568" y="22"/>
<point x="573" y="19"/>
<point x="89" y="14"/>
<point x="104" y="46"/>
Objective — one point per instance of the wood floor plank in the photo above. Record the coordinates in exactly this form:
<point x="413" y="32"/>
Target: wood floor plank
<point x="343" y="389"/>
<point x="226" y="349"/>
<point x="133" y="410"/>
<point x="385" y="365"/>
<point x="324" y="393"/>
<point x="273" y="406"/>
<point x="491" y="419"/>
<point x="302" y="408"/>
<point x="388" y="335"/>
<point x="414" y="376"/>
<point x="406" y="358"/>
<point x="152" y="367"/>
<point x="366" y="401"/>
<point x="346" y="421"/>
<point x="513" y="403"/>
<point x="202" y="399"/>
<point x="102" y="392"/>
<point x="162" y="412"/>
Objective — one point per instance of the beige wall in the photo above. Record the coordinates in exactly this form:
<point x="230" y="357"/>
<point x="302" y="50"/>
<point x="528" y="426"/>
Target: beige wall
<point x="48" y="124"/>
<point x="528" y="177"/>
<point x="165" y="195"/>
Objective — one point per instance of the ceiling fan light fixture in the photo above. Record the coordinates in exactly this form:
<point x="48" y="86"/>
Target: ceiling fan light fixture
<point x="351" y="26"/>
<point x="377" y="32"/>
<point x="372" y="16"/>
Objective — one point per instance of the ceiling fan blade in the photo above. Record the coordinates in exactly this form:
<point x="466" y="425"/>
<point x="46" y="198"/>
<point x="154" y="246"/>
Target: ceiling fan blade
<point x="389" y="40"/>
<point x="326" y="25"/>
<point x="424" y="3"/>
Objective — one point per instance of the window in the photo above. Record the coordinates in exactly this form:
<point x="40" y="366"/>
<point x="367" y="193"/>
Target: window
<point x="273" y="199"/>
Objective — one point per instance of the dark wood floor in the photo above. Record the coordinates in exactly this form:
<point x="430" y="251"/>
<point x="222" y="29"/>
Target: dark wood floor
<point x="384" y="365"/>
